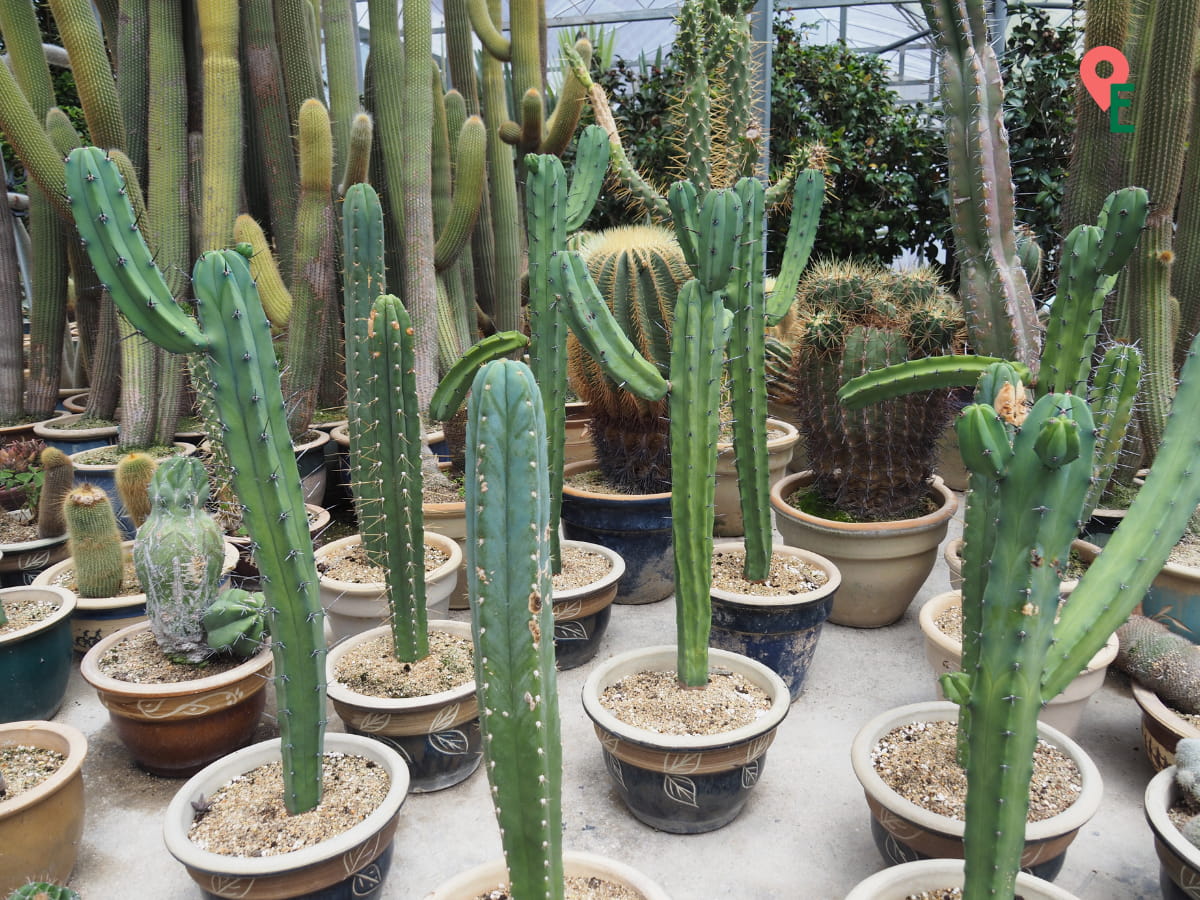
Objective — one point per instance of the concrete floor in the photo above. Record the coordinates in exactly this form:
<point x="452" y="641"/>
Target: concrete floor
<point x="804" y="834"/>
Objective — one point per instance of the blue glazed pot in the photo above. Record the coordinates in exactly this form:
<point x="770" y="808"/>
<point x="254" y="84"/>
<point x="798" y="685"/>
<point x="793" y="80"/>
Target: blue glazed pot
<point x="636" y="526"/>
<point x="35" y="662"/>
<point x="683" y="784"/>
<point x="780" y="632"/>
<point x="104" y="476"/>
<point x="581" y="614"/>
<point x="55" y="433"/>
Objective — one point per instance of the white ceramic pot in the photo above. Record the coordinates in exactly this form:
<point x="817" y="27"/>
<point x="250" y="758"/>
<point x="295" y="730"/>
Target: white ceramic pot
<point x="482" y="878"/>
<point x="914" y="878"/>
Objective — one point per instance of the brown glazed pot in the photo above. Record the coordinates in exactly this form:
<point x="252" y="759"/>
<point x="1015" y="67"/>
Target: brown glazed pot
<point x="1179" y="858"/>
<point x="1162" y="727"/>
<point x="176" y="729"/>
<point x="883" y="564"/>
<point x="41" y="828"/>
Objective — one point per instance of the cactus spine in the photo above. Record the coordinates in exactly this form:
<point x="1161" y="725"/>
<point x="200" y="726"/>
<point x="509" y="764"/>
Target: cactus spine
<point x="95" y="542"/>
<point x="179" y="554"/>
<point x="133" y="475"/>
<point x="508" y="578"/>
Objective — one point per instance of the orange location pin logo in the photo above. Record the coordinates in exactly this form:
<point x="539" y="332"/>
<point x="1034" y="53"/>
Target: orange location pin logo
<point x="1104" y="89"/>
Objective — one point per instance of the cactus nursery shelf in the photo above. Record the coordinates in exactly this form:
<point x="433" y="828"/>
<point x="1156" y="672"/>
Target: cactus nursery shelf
<point x="804" y="833"/>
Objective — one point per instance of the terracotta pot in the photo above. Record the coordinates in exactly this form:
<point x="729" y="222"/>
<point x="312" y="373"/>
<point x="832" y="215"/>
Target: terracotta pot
<point x="352" y="864"/>
<point x="728" y="521"/>
<point x="581" y="614"/>
<point x="904" y="831"/>
<point x="35" y="662"/>
<point x="56" y="433"/>
<point x="40" y="829"/>
<point x="684" y="784"/>
<point x="1179" y="858"/>
<point x="318" y="521"/>
<point x="176" y="729"/>
<point x="354" y="607"/>
<point x="104" y="475"/>
<point x="636" y="526"/>
<point x="98" y="617"/>
<point x="1162" y="727"/>
<point x="915" y="878"/>
<point x="577" y="446"/>
<point x="949" y="461"/>
<point x="22" y="562"/>
<point x="1062" y="712"/>
<point x="883" y="564"/>
<point x="438" y="735"/>
<point x="780" y="632"/>
<point x="490" y="875"/>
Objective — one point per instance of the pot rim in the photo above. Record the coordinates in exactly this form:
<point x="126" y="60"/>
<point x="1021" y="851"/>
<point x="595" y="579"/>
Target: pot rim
<point x="35" y="544"/>
<point x="783" y="600"/>
<point x="85" y="468"/>
<point x="585" y="465"/>
<point x="89" y="668"/>
<point x="1151" y="705"/>
<point x="66" y="606"/>
<point x="911" y="876"/>
<point x="446" y="545"/>
<point x="212" y="777"/>
<point x="789" y="438"/>
<point x="95" y="604"/>
<point x="56" y="430"/>
<point x="321" y="518"/>
<point x="77" y="747"/>
<point x="1160" y="793"/>
<point x="1069" y="820"/>
<point x="935" y="519"/>
<point x="457" y="887"/>
<point x="340" y="692"/>
<point x="662" y="658"/>
<point x="616" y="570"/>
<point x="939" y="603"/>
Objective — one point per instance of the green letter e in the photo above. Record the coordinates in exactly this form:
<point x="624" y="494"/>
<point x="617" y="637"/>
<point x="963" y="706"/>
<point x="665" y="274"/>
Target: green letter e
<point x="1116" y="103"/>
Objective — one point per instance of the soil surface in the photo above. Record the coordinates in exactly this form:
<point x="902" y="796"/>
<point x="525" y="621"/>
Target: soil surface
<point x="787" y="575"/>
<point x="14" y="531"/>
<point x="110" y="456"/>
<point x="918" y="762"/>
<point x="247" y="816"/>
<point x="371" y="668"/>
<point x="580" y="568"/>
<point x="593" y="481"/>
<point x="25" y="611"/>
<point x="24" y="768"/>
<point x="138" y="660"/>
<point x="1186" y="552"/>
<point x="351" y="564"/>
<point x="657" y="702"/>
<point x="129" y="581"/>
<point x="578" y="888"/>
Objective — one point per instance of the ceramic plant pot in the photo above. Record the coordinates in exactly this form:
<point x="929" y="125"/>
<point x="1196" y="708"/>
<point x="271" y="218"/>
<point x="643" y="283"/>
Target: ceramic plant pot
<point x="780" y="632"/>
<point x="22" y="562"/>
<point x="354" y="607"/>
<point x="577" y="446"/>
<point x="310" y="459"/>
<point x="40" y="829"/>
<point x="176" y="729"/>
<point x="915" y="878"/>
<point x="318" y="521"/>
<point x="1063" y="712"/>
<point x="1162" y="727"/>
<point x="477" y="881"/>
<point x="1179" y="858"/>
<point x="337" y="469"/>
<point x="58" y="433"/>
<point x="35" y="661"/>
<point x="450" y="520"/>
<point x="636" y="526"/>
<point x="952" y="553"/>
<point x="104" y="476"/>
<point x="684" y="784"/>
<point x="581" y="614"/>
<point x="904" y="831"/>
<point x="438" y="735"/>
<point x="352" y="865"/>
<point x="883" y="564"/>
<point x="98" y="617"/>
<point x="781" y="441"/>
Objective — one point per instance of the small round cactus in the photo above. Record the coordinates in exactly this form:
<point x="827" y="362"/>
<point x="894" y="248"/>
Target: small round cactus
<point x="95" y="541"/>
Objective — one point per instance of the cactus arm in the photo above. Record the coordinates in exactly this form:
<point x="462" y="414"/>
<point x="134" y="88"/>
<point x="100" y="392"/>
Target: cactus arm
<point x="469" y="183"/>
<point x="807" y="198"/>
<point x="568" y="108"/>
<point x="123" y="263"/>
<point x="358" y="159"/>
<point x="276" y="298"/>
<point x="341" y="64"/>
<point x="593" y="324"/>
<point x="591" y="164"/>
<point x="925" y="374"/>
<point x="1114" y="390"/>
<point x="392" y="425"/>
<point x="24" y="131"/>
<point x="221" y="162"/>
<point x="496" y="44"/>
<point x="456" y="383"/>
<point x="508" y="579"/>
<point x="249" y="402"/>
<point x="748" y="384"/>
<point x="685" y="216"/>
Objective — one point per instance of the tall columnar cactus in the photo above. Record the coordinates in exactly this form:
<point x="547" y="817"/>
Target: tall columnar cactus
<point x="509" y="584"/>
<point x="234" y="333"/>
<point x="133" y="475"/>
<point x="58" y="477"/>
<point x="94" y="542"/>
<point x="179" y="554"/>
<point x="1000" y="314"/>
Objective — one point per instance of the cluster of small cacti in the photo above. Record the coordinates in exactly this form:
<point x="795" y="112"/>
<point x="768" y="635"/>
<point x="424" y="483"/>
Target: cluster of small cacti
<point x="872" y="463"/>
<point x="1165" y="662"/>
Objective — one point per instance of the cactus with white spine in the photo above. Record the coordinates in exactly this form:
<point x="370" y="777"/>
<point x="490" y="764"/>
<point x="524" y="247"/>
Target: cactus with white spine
<point x="509" y="584"/>
<point x="233" y="331"/>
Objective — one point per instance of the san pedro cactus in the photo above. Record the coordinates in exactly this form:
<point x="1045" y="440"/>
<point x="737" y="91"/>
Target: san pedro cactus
<point x="94" y="542"/>
<point x="58" y="477"/>
<point x="234" y="333"/>
<point x="133" y="475"/>
<point x="509" y="584"/>
<point x="179" y="554"/>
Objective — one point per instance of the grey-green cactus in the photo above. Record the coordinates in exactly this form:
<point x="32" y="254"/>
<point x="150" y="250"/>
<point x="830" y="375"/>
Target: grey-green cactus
<point x="236" y="622"/>
<point x="179" y="555"/>
<point x="234" y="333"/>
<point x="1161" y="661"/>
<point x="509" y="584"/>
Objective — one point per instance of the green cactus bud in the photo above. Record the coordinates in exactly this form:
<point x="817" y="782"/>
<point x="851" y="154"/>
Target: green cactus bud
<point x="58" y="477"/>
<point x="1058" y="442"/>
<point x="236" y="622"/>
<point x="983" y="441"/>
<point x="133" y="474"/>
<point x="95" y="542"/>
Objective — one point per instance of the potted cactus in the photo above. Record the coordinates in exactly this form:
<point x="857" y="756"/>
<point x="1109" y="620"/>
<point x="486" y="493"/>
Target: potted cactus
<point x="1172" y="804"/>
<point x="38" y="538"/>
<point x="234" y="334"/>
<point x="509" y="566"/>
<point x="35" y="651"/>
